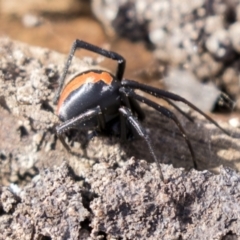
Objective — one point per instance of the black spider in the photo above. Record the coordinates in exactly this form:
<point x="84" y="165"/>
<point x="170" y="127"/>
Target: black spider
<point x="98" y="100"/>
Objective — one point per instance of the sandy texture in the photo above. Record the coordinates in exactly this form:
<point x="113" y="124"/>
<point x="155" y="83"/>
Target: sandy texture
<point x="101" y="192"/>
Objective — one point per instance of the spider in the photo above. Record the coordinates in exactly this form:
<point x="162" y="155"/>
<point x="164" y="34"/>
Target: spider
<point x="106" y="103"/>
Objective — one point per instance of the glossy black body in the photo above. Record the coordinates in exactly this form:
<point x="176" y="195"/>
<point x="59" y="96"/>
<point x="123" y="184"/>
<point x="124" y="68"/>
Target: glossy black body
<point x="107" y="97"/>
<point x="90" y="95"/>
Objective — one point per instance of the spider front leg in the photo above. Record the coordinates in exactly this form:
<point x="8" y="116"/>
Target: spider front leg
<point x="77" y="44"/>
<point x="141" y="133"/>
<point x="74" y="122"/>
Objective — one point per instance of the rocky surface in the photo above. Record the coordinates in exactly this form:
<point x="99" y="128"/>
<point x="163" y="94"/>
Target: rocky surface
<point x="50" y="206"/>
<point x="201" y="37"/>
<point x="129" y="202"/>
<point x="101" y="192"/>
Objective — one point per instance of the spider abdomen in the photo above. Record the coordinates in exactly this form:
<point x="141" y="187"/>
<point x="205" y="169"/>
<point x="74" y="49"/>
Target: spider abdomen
<point x="88" y="90"/>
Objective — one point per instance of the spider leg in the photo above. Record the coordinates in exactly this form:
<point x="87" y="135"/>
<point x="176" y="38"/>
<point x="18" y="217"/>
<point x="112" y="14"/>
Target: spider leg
<point x="134" y="106"/>
<point x="165" y="112"/>
<point x="142" y="133"/>
<point x="74" y="122"/>
<point x="81" y="44"/>
<point x="179" y="109"/>
<point x="159" y="93"/>
<point x="123" y="128"/>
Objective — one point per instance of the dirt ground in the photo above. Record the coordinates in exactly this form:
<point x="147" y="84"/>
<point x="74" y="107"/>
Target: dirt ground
<point x="106" y="189"/>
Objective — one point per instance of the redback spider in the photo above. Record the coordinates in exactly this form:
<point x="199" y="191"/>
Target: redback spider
<point x="106" y="103"/>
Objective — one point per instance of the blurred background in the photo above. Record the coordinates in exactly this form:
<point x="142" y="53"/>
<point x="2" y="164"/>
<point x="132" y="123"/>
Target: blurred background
<point x="188" y="47"/>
